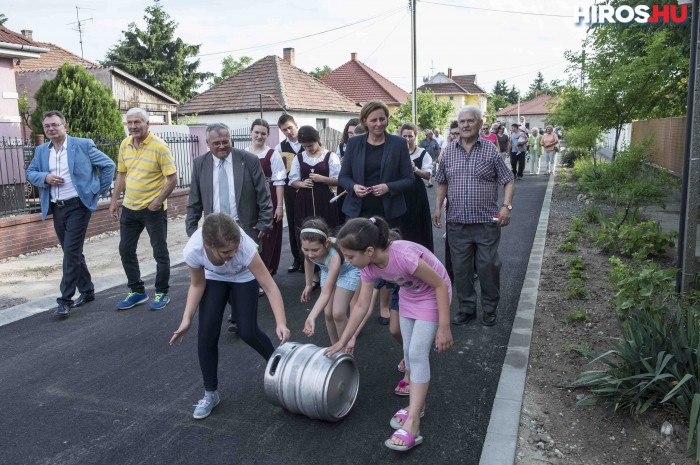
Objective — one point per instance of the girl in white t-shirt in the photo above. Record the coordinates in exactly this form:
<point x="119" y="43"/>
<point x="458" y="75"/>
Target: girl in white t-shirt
<point x="223" y="262"/>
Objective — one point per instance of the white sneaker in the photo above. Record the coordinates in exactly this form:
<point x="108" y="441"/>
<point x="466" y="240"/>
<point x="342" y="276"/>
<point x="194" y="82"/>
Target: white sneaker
<point x="205" y="406"/>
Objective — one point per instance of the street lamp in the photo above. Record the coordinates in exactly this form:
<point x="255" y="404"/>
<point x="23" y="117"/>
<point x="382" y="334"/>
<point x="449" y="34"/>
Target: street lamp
<point x="687" y="226"/>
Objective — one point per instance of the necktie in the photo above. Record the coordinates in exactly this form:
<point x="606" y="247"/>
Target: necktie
<point x="224" y="199"/>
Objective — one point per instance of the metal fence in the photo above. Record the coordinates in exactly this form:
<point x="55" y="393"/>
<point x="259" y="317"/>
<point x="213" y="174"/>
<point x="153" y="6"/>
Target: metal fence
<point x="19" y="197"/>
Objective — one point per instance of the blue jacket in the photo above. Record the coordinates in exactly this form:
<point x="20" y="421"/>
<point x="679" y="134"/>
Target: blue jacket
<point x="396" y="173"/>
<point x="83" y="161"/>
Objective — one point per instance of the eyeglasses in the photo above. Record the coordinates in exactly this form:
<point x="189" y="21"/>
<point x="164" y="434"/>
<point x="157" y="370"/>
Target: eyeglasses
<point x="53" y="125"/>
<point x="454" y="134"/>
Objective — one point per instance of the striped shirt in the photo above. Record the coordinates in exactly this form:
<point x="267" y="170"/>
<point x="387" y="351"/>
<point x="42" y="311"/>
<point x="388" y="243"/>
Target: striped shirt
<point x="472" y="180"/>
<point x="146" y="168"/>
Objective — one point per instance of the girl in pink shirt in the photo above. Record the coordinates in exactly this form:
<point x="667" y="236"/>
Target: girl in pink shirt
<point x="424" y="311"/>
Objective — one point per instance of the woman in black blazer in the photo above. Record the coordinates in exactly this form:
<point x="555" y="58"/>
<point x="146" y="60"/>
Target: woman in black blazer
<point x="376" y="169"/>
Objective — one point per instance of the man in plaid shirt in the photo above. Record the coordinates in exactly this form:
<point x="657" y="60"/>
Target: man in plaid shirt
<point x="469" y="175"/>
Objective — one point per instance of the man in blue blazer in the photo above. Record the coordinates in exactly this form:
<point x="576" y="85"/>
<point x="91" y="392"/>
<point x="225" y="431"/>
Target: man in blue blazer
<point x="71" y="174"/>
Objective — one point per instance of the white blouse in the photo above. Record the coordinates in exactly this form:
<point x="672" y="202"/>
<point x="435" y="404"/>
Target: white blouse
<point x="333" y="162"/>
<point x="427" y="161"/>
<point x="279" y="172"/>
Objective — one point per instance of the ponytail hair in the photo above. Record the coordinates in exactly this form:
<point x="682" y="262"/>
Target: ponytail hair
<point x="360" y="233"/>
<point x="315" y="229"/>
<point x="220" y="230"/>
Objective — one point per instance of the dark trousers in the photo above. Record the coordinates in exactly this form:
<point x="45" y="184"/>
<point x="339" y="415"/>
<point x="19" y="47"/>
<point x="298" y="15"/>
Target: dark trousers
<point x="517" y="163"/>
<point x="289" y="195"/>
<point x="70" y="223"/>
<point x="470" y="245"/>
<point x="131" y="225"/>
<point x="211" y="312"/>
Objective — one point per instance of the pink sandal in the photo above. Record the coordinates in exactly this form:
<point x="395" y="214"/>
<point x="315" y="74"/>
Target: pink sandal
<point x="402" y="366"/>
<point x="400" y="389"/>
<point x="401" y="416"/>
<point x="408" y="439"/>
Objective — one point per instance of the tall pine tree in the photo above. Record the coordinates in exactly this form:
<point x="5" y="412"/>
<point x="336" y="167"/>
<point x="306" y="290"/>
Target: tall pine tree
<point x="157" y="57"/>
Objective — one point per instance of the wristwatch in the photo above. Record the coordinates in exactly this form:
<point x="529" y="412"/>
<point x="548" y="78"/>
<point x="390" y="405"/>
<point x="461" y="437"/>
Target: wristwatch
<point x="508" y="206"/>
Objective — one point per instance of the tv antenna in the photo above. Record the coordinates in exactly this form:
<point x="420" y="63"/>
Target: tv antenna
<point x="79" y="27"/>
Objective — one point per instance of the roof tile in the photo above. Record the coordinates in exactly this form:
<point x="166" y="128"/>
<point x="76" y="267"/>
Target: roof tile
<point x="363" y="84"/>
<point x="12" y="37"/>
<point x="279" y="82"/>
<point x="535" y="106"/>
<point x="53" y="59"/>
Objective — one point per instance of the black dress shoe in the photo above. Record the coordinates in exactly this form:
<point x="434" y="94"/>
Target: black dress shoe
<point x="62" y="311"/>
<point x="462" y="318"/>
<point x="295" y="266"/>
<point x="83" y="299"/>
<point x="488" y="319"/>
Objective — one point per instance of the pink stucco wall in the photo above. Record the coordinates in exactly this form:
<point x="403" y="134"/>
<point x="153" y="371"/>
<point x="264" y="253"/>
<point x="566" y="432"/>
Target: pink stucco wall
<point x="9" y="113"/>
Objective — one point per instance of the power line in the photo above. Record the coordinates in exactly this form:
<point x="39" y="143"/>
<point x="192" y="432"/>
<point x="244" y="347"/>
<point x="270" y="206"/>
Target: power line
<point x="301" y="37"/>
<point x="385" y="38"/>
<point x="497" y="11"/>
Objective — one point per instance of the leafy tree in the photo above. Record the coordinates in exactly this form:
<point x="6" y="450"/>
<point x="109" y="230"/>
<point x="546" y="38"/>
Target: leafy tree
<point x="3" y="19"/>
<point x="88" y="106"/>
<point x="648" y="80"/>
<point x="157" y="57"/>
<point x="431" y="112"/>
<point x="319" y="72"/>
<point x="500" y="88"/>
<point x="229" y="67"/>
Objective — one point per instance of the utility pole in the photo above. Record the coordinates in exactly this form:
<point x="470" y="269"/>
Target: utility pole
<point x="79" y="28"/>
<point x="414" y="65"/>
<point x="690" y="194"/>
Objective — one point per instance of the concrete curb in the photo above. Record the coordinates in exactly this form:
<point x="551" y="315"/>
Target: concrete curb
<point x="502" y="433"/>
<point x="45" y="304"/>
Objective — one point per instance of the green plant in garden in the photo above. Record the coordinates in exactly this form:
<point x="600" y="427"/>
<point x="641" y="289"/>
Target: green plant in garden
<point x="567" y="247"/>
<point x="643" y="288"/>
<point x="573" y="236"/>
<point x="640" y="241"/>
<point x="576" y="289"/>
<point x="593" y="215"/>
<point x="576" y="224"/>
<point x="654" y="361"/>
<point x="577" y="316"/>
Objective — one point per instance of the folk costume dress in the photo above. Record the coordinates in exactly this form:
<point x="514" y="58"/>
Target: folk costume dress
<point x="315" y="201"/>
<point x="276" y="174"/>
<point x="416" y="224"/>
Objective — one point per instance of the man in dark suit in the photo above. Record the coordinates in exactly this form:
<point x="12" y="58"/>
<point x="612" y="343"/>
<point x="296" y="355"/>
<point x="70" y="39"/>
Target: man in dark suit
<point x="71" y="174"/>
<point x="232" y="181"/>
<point x="248" y="202"/>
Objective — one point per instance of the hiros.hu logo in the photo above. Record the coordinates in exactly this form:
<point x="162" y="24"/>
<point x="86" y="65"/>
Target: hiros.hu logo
<point x="625" y="14"/>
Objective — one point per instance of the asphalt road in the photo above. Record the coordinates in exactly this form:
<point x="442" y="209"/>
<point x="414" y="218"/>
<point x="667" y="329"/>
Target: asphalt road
<point x="105" y="388"/>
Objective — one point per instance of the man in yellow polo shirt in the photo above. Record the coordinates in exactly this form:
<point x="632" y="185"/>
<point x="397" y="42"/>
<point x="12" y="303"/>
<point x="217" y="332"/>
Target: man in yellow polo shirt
<point x="146" y="174"/>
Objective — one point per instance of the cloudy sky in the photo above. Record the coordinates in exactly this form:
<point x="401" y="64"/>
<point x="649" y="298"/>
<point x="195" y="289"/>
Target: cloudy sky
<point x="507" y="39"/>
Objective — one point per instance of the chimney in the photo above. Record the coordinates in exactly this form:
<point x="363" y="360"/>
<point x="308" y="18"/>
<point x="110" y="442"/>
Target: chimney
<point x="288" y="55"/>
<point x="449" y="73"/>
<point x="27" y="33"/>
<point x="353" y="56"/>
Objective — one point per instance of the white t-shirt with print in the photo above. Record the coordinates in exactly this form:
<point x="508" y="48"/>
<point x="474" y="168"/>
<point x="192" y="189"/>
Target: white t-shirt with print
<point x="234" y="271"/>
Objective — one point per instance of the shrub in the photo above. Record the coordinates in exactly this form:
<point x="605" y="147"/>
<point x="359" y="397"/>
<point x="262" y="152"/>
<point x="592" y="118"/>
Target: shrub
<point x="642" y="289"/>
<point x="572" y="155"/>
<point x="640" y="241"/>
<point x="567" y="247"/>
<point x="576" y="289"/>
<point x="578" y="316"/>
<point x="655" y="361"/>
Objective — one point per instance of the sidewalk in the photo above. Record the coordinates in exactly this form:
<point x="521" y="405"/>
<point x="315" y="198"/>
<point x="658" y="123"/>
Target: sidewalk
<point x="31" y="282"/>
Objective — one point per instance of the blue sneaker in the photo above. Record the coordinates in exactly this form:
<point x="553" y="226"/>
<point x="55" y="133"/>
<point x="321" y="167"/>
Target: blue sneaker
<point x="160" y="300"/>
<point x="132" y="299"/>
<point x="205" y="406"/>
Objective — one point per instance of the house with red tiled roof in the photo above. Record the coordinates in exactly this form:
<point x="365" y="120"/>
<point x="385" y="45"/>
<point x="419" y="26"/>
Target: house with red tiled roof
<point x="362" y="84"/>
<point x="459" y="90"/>
<point x="535" y="111"/>
<point x="127" y="90"/>
<point x="268" y="88"/>
<point x="13" y="46"/>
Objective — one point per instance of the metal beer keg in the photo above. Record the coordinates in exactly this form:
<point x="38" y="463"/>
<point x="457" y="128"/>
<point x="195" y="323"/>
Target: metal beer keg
<point x="302" y="380"/>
